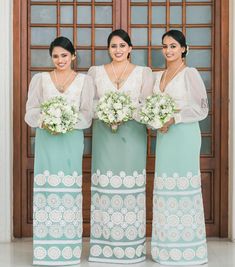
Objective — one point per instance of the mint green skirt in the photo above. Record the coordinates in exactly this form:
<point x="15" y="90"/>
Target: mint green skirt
<point x="57" y="207"/>
<point x="118" y="193"/>
<point x="178" y="227"/>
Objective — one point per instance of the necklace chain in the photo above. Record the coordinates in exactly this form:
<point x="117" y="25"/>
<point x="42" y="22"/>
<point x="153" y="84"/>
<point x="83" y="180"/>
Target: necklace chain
<point x="119" y="80"/>
<point x="61" y="87"/>
<point x="171" y="77"/>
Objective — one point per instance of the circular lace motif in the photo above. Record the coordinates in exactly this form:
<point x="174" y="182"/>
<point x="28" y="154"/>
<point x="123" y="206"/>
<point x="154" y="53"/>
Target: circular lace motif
<point x="175" y="254"/>
<point x="67" y="253"/>
<point x="105" y="217"/>
<point x="56" y="231"/>
<point x="141" y="200"/>
<point x="96" y="215"/>
<point x="170" y="183"/>
<point x="70" y="231"/>
<point x="195" y="181"/>
<point x="77" y="252"/>
<point x="173" y="234"/>
<point x="55" y="216"/>
<point x="69" y="216"/>
<point x="54" y="201"/>
<point x="96" y="230"/>
<point x="188" y="234"/>
<point x="40" y="179"/>
<point x="159" y="183"/>
<point x="140" y="180"/>
<point x="68" y="201"/>
<point x="94" y="179"/>
<point x="54" y="253"/>
<point x="185" y="204"/>
<point x="188" y="254"/>
<point x="104" y="202"/>
<point x="130" y="217"/>
<point x="103" y="180"/>
<point x="79" y="180"/>
<point x="96" y="250"/>
<point x="201" y="252"/>
<point x="40" y="200"/>
<point x="68" y="180"/>
<point x="106" y="232"/>
<point x="130" y="202"/>
<point x="78" y="201"/>
<point x="117" y="233"/>
<point x="141" y="216"/>
<point x="117" y="218"/>
<point x="173" y="220"/>
<point x="96" y="200"/>
<point x="139" y="251"/>
<point x="130" y="252"/>
<point x="118" y="252"/>
<point x="172" y="204"/>
<point x="131" y="233"/>
<point x="141" y="231"/>
<point x="163" y="254"/>
<point x="107" y="251"/>
<point x="41" y="231"/>
<point x="39" y="253"/>
<point x="117" y="202"/>
<point x="129" y="181"/>
<point x="187" y="220"/>
<point x="116" y="181"/>
<point x="54" y="180"/>
<point x="183" y="183"/>
<point x="41" y="215"/>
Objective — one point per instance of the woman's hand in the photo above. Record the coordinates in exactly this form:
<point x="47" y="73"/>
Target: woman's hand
<point x="165" y="127"/>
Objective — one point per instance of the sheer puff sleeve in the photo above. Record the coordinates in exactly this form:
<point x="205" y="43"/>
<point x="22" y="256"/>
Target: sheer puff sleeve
<point x="92" y="74"/>
<point x="34" y="101"/>
<point x="196" y="108"/>
<point x="86" y="101"/>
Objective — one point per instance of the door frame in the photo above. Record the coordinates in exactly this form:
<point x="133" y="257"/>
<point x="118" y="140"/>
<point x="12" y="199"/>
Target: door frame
<point x="20" y="63"/>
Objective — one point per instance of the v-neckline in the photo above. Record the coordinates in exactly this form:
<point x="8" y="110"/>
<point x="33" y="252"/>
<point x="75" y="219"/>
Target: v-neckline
<point x="120" y="88"/>
<point x="68" y="87"/>
<point x="170" y="80"/>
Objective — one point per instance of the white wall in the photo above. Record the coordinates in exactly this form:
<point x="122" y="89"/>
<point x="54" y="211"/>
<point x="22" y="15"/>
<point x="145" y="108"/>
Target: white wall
<point x="232" y="122"/>
<point x="5" y="120"/>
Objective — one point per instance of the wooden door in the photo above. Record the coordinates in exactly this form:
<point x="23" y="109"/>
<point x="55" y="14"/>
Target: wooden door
<point x="87" y="23"/>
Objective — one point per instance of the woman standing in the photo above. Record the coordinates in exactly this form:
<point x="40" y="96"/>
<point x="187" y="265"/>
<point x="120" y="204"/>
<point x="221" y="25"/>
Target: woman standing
<point x="57" y="219"/>
<point x="118" y="162"/>
<point x="178" y="233"/>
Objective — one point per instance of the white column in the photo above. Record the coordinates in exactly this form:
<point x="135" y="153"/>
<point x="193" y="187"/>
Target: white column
<point x="231" y="121"/>
<point x="6" y="108"/>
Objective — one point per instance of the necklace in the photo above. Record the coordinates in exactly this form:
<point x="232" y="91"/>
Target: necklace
<point x="171" y="77"/>
<point x="61" y="87"/>
<point x="119" y="80"/>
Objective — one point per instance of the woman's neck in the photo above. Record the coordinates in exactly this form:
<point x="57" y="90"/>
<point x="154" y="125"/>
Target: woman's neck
<point x="174" y="64"/>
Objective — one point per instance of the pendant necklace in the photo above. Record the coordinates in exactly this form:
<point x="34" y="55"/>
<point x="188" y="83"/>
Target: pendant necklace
<point x="171" y="77"/>
<point x="61" y="87"/>
<point x="119" y="80"/>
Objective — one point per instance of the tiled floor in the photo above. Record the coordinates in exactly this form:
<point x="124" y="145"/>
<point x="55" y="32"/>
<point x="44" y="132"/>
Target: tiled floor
<point x="19" y="254"/>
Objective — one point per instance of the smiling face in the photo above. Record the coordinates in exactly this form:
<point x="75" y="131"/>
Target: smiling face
<point x="62" y="58"/>
<point x="171" y="49"/>
<point x="119" y="49"/>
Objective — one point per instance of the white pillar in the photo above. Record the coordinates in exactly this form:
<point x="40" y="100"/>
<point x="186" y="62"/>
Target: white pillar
<point x="6" y="108"/>
<point x="231" y="121"/>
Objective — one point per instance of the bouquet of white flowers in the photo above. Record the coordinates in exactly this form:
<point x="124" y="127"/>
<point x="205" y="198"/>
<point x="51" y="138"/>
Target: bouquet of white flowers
<point x="157" y="110"/>
<point x="115" y="108"/>
<point x="57" y="116"/>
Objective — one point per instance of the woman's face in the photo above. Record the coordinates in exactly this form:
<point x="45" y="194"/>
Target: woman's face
<point x="62" y="58"/>
<point x="171" y="49"/>
<point x="119" y="49"/>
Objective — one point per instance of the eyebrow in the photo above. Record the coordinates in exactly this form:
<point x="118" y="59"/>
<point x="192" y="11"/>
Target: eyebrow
<point x="169" y="44"/>
<point x="60" y="54"/>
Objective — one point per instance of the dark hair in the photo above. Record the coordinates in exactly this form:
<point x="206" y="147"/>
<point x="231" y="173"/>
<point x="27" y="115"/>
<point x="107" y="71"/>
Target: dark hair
<point x="122" y="34"/>
<point x="64" y="43"/>
<point x="179" y="37"/>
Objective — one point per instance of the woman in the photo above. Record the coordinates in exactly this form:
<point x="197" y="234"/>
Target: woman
<point x="178" y="229"/>
<point x="57" y="225"/>
<point x="118" y="162"/>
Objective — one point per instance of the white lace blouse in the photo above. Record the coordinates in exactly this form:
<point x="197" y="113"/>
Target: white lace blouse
<point x="189" y="93"/>
<point x="80" y="93"/>
<point x="138" y="85"/>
